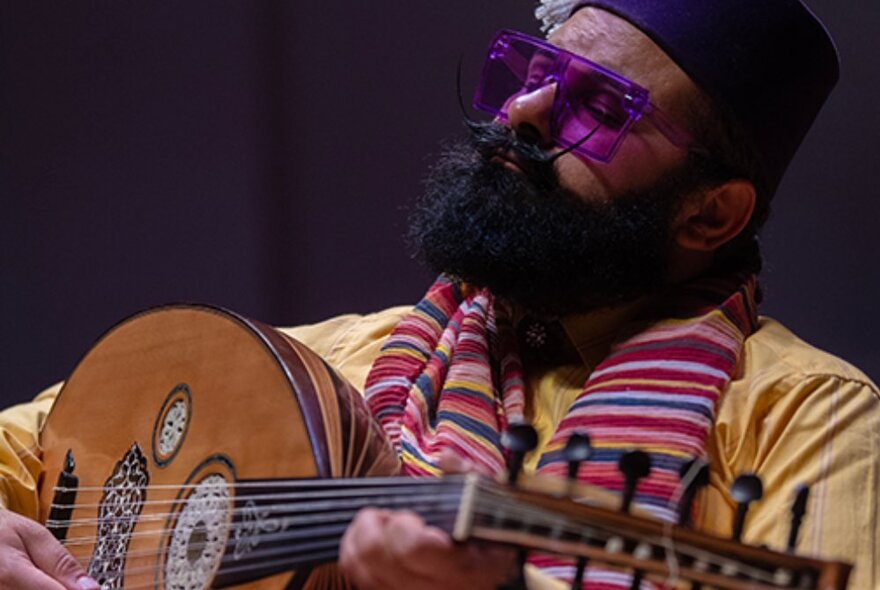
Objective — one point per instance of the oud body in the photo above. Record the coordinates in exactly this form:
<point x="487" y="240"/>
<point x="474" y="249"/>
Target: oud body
<point x="194" y="449"/>
<point x="172" y="421"/>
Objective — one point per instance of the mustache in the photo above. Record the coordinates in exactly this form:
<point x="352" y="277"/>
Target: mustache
<point x="490" y="140"/>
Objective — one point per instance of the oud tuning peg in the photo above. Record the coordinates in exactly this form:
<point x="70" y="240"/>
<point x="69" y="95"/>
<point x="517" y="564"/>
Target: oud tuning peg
<point x="636" y="581"/>
<point x="578" y="582"/>
<point x="745" y="489"/>
<point x="634" y="465"/>
<point x="576" y="451"/>
<point x="69" y="463"/>
<point x="694" y="476"/>
<point x="580" y="569"/>
<point x="798" y="509"/>
<point x="642" y="552"/>
<point x="519" y="439"/>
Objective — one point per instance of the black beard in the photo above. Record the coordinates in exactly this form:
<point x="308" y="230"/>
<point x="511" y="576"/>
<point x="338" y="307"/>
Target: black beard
<point x="535" y="243"/>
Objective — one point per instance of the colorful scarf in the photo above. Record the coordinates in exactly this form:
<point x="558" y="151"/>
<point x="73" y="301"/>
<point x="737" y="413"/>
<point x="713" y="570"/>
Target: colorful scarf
<point x="450" y="377"/>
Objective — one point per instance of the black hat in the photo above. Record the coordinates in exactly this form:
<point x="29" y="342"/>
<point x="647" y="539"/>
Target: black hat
<point x="771" y="63"/>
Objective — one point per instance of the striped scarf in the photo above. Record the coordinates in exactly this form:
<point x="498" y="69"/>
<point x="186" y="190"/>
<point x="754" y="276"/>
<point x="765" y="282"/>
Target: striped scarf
<point x="449" y="377"/>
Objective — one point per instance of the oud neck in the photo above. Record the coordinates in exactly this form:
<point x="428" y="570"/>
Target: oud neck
<point x="286" y="525"/>
<point x="280" y="526"/>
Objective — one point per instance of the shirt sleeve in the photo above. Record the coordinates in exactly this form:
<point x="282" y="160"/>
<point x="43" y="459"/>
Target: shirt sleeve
<point x="20" y="456"/>
<point x="819" y="430"/>
<point x="350" y="343"/>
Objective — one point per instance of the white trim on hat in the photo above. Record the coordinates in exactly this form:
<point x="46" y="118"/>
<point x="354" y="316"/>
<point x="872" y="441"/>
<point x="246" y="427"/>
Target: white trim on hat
<point x="552" y="13"/>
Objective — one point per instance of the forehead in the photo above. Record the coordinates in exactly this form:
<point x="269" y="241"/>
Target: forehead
<point x="613" y="42"/>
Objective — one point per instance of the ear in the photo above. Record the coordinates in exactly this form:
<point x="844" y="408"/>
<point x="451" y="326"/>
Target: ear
<point x="710" y="219"/>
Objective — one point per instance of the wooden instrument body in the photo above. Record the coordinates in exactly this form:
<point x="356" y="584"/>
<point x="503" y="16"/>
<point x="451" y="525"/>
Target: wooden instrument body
<point x="212" y="451"/>
<point x="248" y="404"/>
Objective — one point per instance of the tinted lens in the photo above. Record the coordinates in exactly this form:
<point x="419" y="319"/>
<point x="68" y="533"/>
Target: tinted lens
<point x="594" y="107"/>
<point x="513" y="67"/>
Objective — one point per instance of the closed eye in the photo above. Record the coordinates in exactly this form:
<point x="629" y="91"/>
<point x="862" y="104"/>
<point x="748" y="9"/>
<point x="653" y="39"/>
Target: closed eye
<point x="604" y="111"/>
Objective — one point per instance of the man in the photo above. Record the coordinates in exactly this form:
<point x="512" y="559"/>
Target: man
<point x="599" y="249"/>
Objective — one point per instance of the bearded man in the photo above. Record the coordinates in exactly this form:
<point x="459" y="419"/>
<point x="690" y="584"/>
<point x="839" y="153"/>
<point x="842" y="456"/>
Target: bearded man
<point x="597" y="244"/>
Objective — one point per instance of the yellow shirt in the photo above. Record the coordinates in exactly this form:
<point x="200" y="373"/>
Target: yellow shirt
<point x="792" y="415"/>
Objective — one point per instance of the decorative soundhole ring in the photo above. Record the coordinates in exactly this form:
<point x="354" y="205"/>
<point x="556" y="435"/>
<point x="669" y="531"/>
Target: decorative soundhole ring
<point x="172" y="424"/>
<point x="200" y="527"/>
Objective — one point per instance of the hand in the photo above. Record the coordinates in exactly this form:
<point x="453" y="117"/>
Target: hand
<point x="396" y="549"/>
<point x="32" y="559"/>
<point x="384" y="549"/>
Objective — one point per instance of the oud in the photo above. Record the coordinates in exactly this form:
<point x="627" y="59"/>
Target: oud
<point x="192" y="448"/>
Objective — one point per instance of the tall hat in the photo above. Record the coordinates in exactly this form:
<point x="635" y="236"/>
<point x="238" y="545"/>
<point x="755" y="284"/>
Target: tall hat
<point x="772" y="63"/>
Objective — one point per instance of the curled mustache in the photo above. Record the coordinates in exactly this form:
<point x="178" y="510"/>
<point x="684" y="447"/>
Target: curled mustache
<point x="490" y="139"/>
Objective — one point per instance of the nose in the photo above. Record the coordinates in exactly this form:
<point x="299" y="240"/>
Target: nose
<point x="529" y="115"/>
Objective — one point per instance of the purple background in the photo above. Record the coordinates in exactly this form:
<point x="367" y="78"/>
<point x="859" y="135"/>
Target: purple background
<point x="262" y="155"/>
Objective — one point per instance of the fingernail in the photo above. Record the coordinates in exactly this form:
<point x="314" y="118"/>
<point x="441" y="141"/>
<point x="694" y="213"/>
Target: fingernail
<point x="87" y="583"/>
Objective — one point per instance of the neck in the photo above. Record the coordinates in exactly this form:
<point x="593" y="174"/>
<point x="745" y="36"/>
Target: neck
<point x="282" y="525"/>
<point x="686" y="264"/>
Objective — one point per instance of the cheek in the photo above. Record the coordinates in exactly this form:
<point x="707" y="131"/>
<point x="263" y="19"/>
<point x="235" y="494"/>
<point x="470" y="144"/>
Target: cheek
<point x="597" y="181"/>
<point x="639" y="163"/>
<point x="584" y="178"/>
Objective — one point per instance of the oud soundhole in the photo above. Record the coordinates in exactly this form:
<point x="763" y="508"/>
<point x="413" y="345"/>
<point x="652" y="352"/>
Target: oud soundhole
<point x="197" y="542"/>
<point x="199" y="535"/>
<point x="172" y="424"/>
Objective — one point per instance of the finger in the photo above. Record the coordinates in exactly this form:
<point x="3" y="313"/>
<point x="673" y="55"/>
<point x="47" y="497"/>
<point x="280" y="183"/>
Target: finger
<point x="410" y="537"/>
<point x="362" y="535"/>
<point x="361" y="548"/>
<point x="23" y="575"/>
<point x="53" y="559"/>
<point x="424" y="553"/>
<point x="377" y="551"/>
<point x="431" y="559"/>
<point x="451" y="462"/>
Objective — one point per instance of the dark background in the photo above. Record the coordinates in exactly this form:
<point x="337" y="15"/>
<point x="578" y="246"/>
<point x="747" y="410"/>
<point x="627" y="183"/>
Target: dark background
<point x="262" y="155"/>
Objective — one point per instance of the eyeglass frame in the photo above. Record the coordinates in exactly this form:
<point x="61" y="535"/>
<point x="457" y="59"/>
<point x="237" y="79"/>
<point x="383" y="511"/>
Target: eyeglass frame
<point x="637" y="97"/>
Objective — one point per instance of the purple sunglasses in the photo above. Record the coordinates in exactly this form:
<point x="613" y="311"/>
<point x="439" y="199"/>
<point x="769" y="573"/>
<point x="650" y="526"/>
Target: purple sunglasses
<point x="593" y="107"/>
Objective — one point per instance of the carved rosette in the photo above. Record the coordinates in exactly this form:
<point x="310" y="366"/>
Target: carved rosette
<point x="124" y="494"/>
<point x="199" y="536"/>
<point x="172" y="424"/>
